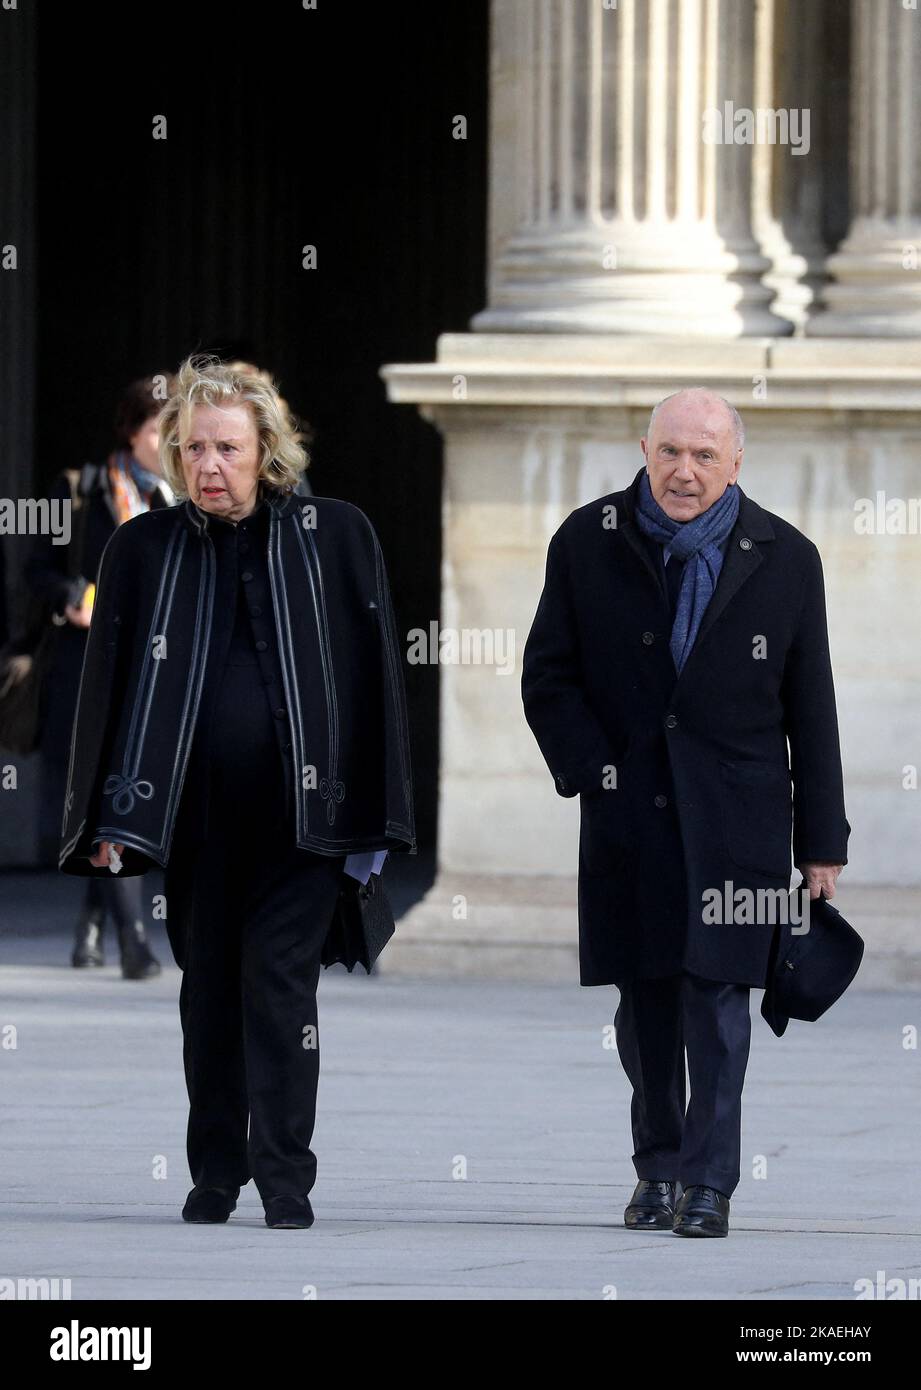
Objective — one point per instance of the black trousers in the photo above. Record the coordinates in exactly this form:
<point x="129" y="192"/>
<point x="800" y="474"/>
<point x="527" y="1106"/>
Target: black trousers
<point x="655" y="1022"/>
<point x="253" y="920"/>
<point x="247" y="916"/>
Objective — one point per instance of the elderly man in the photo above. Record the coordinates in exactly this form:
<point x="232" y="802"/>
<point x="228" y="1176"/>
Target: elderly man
<point x="677" y="669"/>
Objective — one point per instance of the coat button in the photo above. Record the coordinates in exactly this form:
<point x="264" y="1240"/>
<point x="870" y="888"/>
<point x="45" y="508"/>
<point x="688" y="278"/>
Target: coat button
<point x="261" y="646"/>
<point x="561" y="781"/>
<point x="244" y="546"/>
<point x="286" y="747"/>
<point x="280" y="713"/>
<point x="745" y="543"/>
<point x="649" y="638"/>
<point x="246" y="576"/>
<point x="255" y="611"/>
<point x="661" y="801"/>
<point x="671" y="722"/>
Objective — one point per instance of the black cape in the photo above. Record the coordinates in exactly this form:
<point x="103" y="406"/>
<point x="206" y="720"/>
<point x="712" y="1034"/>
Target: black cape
<point x="145" y="662"/>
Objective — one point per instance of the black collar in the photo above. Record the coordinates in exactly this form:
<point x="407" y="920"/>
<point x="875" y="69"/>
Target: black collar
<point x="275" y="502"/>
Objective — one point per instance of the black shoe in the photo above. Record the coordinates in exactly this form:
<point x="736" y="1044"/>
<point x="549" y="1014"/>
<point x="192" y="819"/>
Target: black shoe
<point x="652" y="1206"/>
<point x="702" y="1211"/>
<point x="288" y="1213"/>
<point x="88" y="939"/>
<point x="210" y="1204"/>
<point x="138" y="960"/>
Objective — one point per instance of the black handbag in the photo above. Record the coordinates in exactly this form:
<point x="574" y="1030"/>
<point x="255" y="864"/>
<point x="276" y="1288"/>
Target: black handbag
<point x="362" y="924"/>
<point x="20" y="697"/>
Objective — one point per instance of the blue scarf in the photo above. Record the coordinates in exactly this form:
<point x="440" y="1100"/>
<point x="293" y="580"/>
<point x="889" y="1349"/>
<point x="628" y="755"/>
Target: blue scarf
<point x="697" y="543"/>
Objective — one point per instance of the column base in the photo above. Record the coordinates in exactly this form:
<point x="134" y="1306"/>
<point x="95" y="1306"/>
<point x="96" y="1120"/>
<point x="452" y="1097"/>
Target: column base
<point x="875" y="291"/>
<point x="516" y="927"/>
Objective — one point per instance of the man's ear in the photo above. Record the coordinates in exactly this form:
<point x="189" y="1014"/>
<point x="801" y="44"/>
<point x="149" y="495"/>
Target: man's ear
<point x="643" y="446"/>
<point x="737" y="465"/>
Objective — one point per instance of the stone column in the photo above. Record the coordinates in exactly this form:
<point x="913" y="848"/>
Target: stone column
<point x="611" y="212"/>
<point x="877" y="269"/>
<point x="793" y="181"/>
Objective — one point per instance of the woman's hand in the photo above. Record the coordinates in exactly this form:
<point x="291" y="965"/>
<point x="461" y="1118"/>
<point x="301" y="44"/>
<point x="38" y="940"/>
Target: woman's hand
<point x="100" y="859"/>
<point x="17" y="668"/>
<point x="78" y="616"/>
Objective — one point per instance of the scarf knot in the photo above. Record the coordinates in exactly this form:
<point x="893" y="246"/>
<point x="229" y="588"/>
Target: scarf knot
<point x="698" y="543"/>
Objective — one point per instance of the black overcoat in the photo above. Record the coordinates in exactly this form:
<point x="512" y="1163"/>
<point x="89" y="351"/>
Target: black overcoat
<point x="701" y="763"/>
<point x="146" y="658"/>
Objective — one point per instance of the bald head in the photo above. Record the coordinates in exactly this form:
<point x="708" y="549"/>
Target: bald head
<point x="693" y="449"/>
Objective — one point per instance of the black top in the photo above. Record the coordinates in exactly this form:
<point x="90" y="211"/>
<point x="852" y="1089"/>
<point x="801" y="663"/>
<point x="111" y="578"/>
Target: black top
<point x="239" y="776"/>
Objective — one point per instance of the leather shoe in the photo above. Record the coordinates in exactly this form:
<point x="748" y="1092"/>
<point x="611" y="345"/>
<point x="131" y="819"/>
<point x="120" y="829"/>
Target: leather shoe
<point x="288" y="1212"/>
<point x="652" y="1206"/>
<point x="210" y="1204"/>
<point x="702" y="1211"/>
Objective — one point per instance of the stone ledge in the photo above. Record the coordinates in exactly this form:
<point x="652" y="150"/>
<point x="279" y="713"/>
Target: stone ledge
<point x="607" y="370"/>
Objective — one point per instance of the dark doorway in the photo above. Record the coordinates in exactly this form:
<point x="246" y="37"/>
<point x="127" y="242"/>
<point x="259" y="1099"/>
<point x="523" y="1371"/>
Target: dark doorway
<point x="286" y="127"/>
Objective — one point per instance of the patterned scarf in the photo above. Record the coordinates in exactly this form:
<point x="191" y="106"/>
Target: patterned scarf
<point x="697" y="543"/>
<point x="131" y="484"/>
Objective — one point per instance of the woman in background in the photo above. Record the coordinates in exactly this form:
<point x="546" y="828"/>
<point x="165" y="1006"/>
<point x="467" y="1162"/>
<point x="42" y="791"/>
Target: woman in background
<point x="127" y="483"/>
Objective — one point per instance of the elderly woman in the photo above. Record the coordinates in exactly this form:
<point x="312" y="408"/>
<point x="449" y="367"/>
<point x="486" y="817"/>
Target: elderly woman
<point x="242" y="723"/>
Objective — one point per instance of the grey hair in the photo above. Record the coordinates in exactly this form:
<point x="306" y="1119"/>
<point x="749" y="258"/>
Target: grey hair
<point x="733" y="414"/>
<point x="203" y="379"/>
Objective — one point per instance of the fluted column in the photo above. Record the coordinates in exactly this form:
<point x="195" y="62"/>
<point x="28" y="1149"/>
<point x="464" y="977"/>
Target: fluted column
<point x="792" y="184"/>
<point x="610" y="210"/>
<point x="877" y="270"/>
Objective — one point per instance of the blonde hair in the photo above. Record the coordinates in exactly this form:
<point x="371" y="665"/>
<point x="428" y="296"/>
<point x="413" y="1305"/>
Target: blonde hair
<point x="204" y="379"/>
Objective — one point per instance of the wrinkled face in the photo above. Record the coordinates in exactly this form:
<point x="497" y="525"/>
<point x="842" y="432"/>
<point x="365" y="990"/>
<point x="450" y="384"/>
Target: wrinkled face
<point x="145" y="444"/>
<point x="219" y="449"/>
<point x="691" y="455"/>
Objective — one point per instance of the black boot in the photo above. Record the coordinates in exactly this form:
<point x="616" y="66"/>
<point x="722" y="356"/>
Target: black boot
<point x="138" y="960"/>
<point x="88" y="939"/>
<point x="210" y="1204"/>
<point x="288" y="1212"/>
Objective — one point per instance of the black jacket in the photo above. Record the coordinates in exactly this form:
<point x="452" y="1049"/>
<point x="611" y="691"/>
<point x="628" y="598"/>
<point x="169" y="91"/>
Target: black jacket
<point x="55" y="575"/>
<point x="146" y="657"/>
<point x="701" y="762"/>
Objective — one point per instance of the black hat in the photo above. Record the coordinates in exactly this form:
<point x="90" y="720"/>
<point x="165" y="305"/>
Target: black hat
<point x="808" y="971"/>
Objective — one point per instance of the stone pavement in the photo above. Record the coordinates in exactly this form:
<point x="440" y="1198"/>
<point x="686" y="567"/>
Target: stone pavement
<point x="421" y="1081"/>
